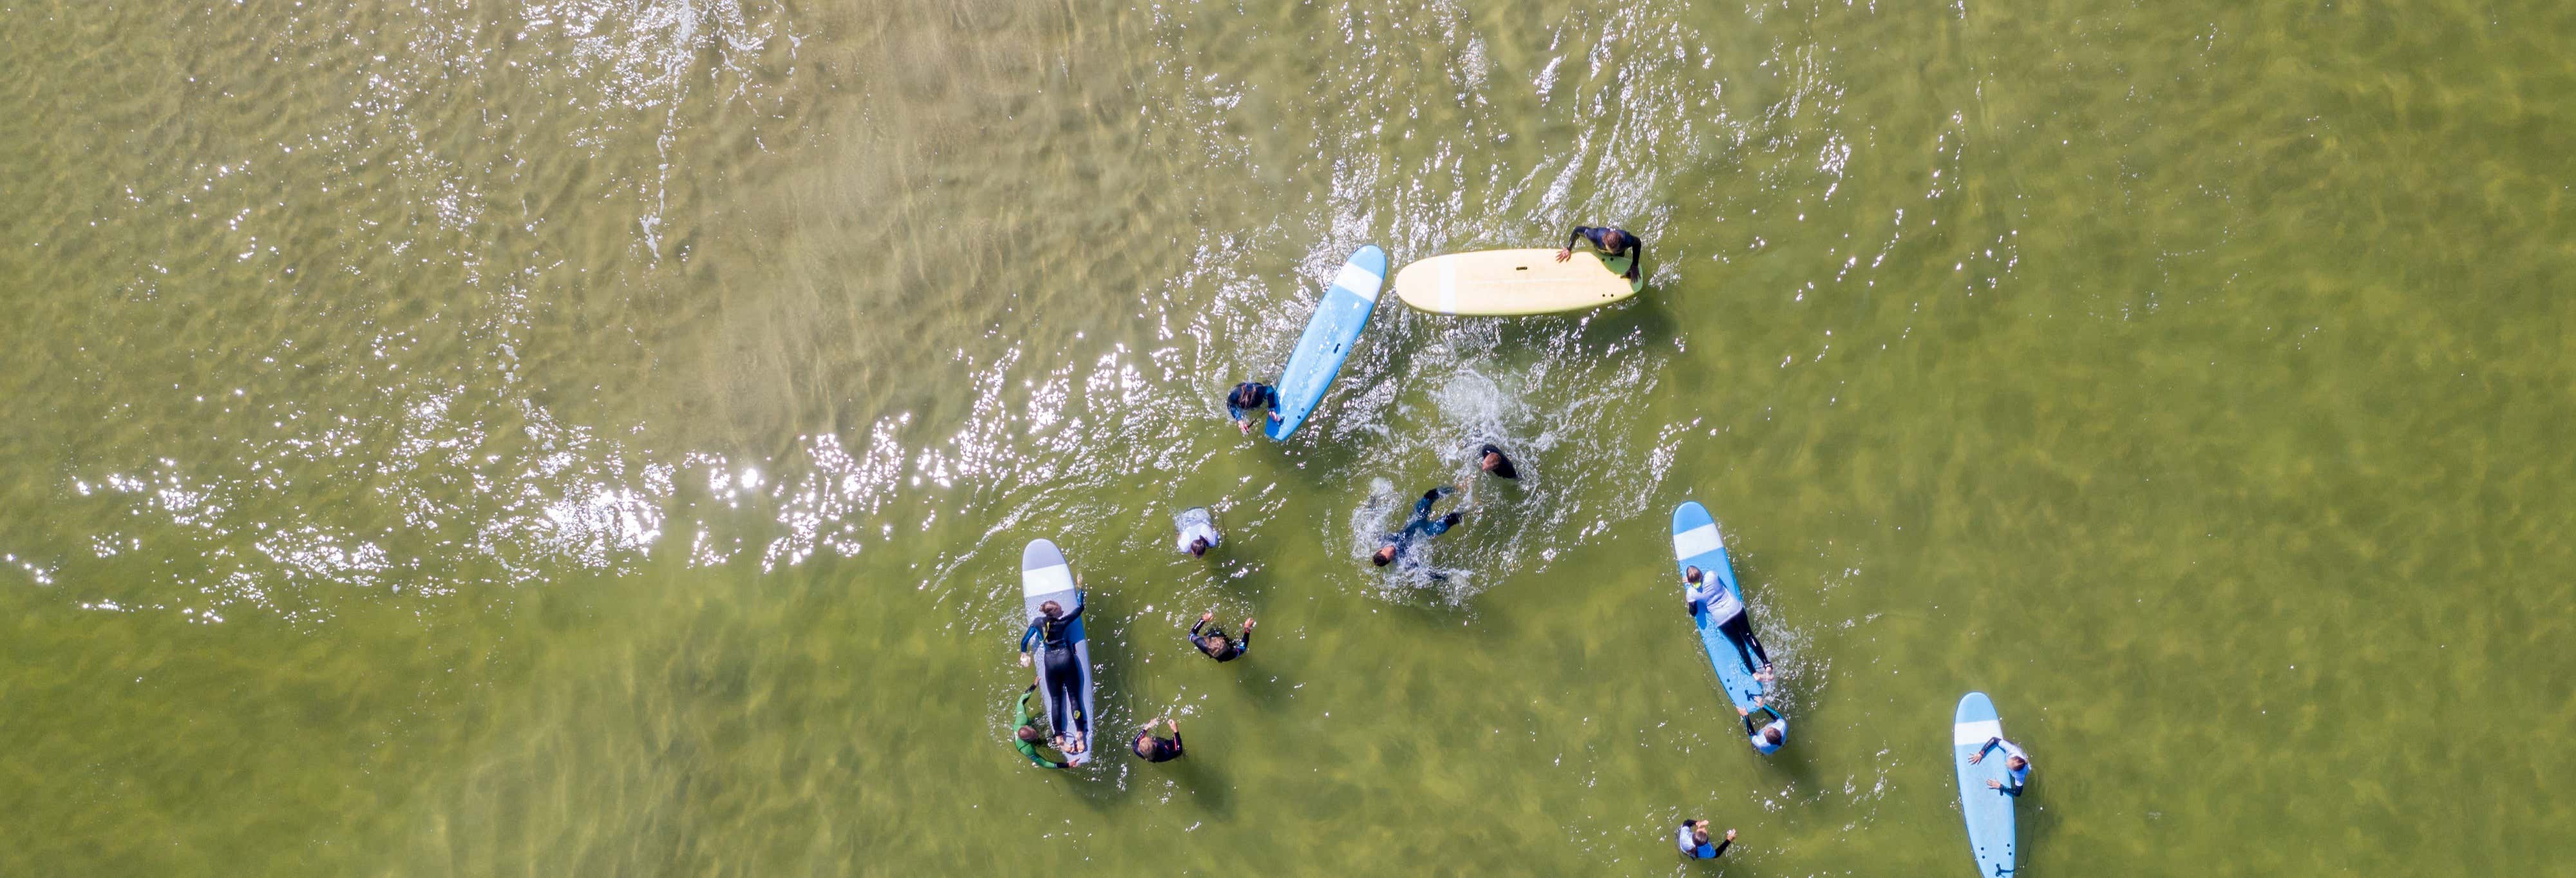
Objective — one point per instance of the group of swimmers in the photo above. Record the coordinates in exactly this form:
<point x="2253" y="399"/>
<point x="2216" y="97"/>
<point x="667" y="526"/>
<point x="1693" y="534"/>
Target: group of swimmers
<point x="1197" y="534"/>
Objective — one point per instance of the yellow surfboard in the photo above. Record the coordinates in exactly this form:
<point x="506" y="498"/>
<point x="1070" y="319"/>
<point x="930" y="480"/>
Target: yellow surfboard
<point x="1497" y="283"/>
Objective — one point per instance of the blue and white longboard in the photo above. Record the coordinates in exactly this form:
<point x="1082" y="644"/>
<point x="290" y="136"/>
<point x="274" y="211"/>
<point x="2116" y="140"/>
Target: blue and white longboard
<point x="1045" y="577"/>
<point x="1329" y="335"/>
<point x="1989" y="810"/>
<point x="1696" y="543"/>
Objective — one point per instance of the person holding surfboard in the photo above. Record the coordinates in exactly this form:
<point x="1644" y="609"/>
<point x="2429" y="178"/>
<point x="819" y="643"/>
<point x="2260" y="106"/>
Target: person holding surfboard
<point x="1731" y="619"/>
<point x="1028" y="737"/>
<point x="2016" y="765"/>
<point x="1215" y="644"/>
<point x="1248" y="396"/>
<point x="1053" y="629"/>
<point x="1154" y="749"/>
<point x="1771" y="735"/>
<point x="1421" y="527"/>
<point x="1613" y="243"/>
<point x="1693" y="840"/>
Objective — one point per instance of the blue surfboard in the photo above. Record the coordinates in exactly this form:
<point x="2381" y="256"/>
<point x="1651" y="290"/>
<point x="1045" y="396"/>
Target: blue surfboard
<point x="1336" y="326"/>
<point x="1696" y="543"/>
<point x="1989" y="811"/>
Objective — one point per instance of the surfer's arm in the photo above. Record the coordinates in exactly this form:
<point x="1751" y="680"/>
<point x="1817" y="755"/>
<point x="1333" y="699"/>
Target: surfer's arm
<point x="1026" y="636"/>
<point x="1698" y="596"/>
<point x="1243" y="644"/>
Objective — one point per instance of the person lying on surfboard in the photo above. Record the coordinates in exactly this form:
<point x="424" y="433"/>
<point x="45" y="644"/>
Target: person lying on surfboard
<point x="1613" y="243"/>
<point x="1054" y="630"/>
<point x="1421" y="527"/>
<point x="1693" y="840"/>
<point x="1027" y="739"/>
<point x="1215" y="644"/>
<point x="1772" y="734"/>
<point x="1731" y="620"/>
<point x="1248" y="396"/>
<point x="2016" y="765"/>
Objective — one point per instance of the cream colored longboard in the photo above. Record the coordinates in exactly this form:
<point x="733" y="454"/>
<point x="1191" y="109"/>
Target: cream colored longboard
<point x="1499" y="283"/>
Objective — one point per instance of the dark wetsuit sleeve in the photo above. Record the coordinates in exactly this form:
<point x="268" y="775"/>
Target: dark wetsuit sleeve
<point x="1722" y="844"/>
<point x="1197" y="639"/>
<point x="1579" y="235"/>
<point x="1176" y="743"/>
<point x="1243" y="644"/>
<point x="1026" y="636"/>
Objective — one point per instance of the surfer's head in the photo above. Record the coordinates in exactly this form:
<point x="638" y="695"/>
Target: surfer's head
<point x="1614" y="240"/>
<point x="1218" y="641"/>
<point x="1699" y="834"/>
<point x="1051" y="609"/>
<point x="1692" y="575"/>
<point x="2016" y="763"/>
<point x="1774" y="735"/>
<point x="1385" y="555"/>
<point x="1198" y="547"/>
<point x="1031" y="734"/>
<point x="1491" y="460"/>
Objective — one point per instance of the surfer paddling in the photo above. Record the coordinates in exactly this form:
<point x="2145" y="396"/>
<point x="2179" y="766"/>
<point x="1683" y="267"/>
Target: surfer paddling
<point x="1247" y="397"/>
<point x="1421" y="527"/>
<point x="1693" y="840"/>
<point x="1708" y="591"/>
<point x="1613" y="243"/>
<point x="2016" y="765"/>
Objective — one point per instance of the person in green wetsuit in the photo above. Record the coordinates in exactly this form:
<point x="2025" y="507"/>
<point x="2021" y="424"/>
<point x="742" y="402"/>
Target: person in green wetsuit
<point x="1029" y="735"/>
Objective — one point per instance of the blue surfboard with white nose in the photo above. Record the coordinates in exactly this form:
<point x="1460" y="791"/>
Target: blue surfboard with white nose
<point x="1336" y="326"/>
<point x="1696" y="543"/>
<point x="1989" y="810"/>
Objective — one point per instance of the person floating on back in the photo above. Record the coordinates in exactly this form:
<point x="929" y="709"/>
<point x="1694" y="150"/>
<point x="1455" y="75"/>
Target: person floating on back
<point x="1708" y="591"/>
<point x="1491" y="460"/>
<point x="1029" y="736"/>
<point x="1215" y="644"/>
<point x="1054" y="630"/>
<point x="1248" y="396"/>
<point x="1693" y="840"/>
<point x="1771" y="735"/>
<point x="1421" y="527"/>
<point x="1612" y="243"/>
<point x="2016" y="766"/>
<point x="1155" y="749"/>
<point x="1198" y="531"/>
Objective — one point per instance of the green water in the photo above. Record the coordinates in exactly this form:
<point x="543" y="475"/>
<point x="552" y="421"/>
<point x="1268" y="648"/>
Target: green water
<point x="597" y="438"/>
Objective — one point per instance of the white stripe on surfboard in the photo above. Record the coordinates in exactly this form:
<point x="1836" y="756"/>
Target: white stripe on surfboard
<point x="1359" y="280"/>
<point x="1979" y="732"/>
<point x="1695" y="542"/>
<point x="1046" y="580"/>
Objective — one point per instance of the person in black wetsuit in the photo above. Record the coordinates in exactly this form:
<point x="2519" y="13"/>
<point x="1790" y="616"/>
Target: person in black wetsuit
<point x="1613" y="243"/>
<point x="1248" y="396"/>
<point x="1421" y="527"/>
<point x="1054" y="630"/>
<point x="1155" y="749"/>
<point x="1216" y="645"/>
<point x="1491" y="460"/>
